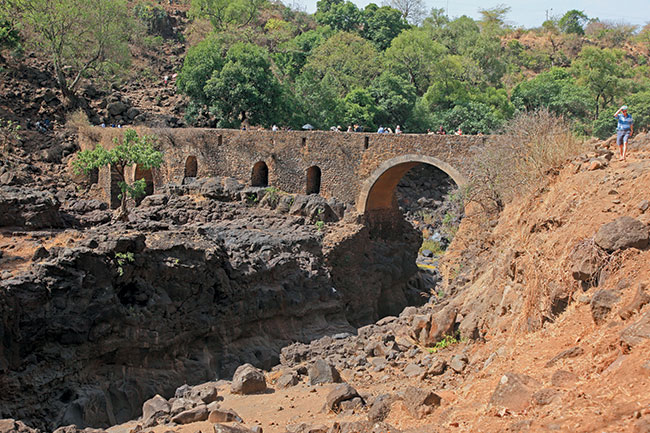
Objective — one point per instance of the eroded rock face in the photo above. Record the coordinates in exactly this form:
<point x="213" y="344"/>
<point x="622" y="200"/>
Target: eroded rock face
<point x="28" y="207"/>
<point x="185" y="292"/>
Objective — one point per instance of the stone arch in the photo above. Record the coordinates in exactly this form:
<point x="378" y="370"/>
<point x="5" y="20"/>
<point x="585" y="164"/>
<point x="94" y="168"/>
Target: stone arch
<point x="378" y="190"/>
<point x="260" y="174"/>
<point x="313" y="180"/>
<point x="191" y="166"/>
<point x="144" y="173"/>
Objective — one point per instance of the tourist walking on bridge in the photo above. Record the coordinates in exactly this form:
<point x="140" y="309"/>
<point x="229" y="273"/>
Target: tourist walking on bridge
<point x="624" y="131"/>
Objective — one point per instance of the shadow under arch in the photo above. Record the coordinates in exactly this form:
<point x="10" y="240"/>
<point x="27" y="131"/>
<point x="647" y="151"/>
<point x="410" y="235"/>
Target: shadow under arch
<point x="378" y="190"/>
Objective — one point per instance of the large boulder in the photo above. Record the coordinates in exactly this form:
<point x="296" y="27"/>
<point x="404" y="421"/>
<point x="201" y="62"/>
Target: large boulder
<point x="636" y="333"/>
<point x="322" y="372"/>
<point x="514" y="392"/>
<point x="248" y="380"/>
<point x="155" y="407"/>
<point x="116" y="108"/>
<point x="380" y="408"/>
<point x="586" y="260"/>
<point x="223" y="415"/>
<point x="341" y="392"/>
<point x="430" y="329"/>
<point x="204" y="393"/>
<point x="623" y="232"/>
<point x="601" y="304"/>
<point x="420" y="402"/>
<point x="199" y="413"/>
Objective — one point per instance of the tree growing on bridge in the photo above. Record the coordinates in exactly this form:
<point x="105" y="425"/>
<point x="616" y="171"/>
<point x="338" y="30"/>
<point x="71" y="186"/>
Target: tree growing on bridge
<point x="133" y="149"/>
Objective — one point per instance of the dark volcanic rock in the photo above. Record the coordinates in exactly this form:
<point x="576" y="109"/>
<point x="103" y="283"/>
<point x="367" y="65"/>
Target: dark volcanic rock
<point x="29" y="208"/>
<point x="601" y="304"/>
<point x="248" y="380"/>
<point x="637" y="332"/>
<point x="420" y="402"/>
<point x="340" y="393"/>
<point x="180" y="296"/>
<point x="184" y="292"/>
<point x="322" y="372"/>
<point x="623" y="232"/>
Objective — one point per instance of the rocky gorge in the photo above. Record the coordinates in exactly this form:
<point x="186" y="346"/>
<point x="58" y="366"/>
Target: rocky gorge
<point x="204" y="277"/>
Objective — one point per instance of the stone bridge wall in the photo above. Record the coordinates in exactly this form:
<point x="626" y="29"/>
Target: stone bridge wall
<point x="349" y="162"/>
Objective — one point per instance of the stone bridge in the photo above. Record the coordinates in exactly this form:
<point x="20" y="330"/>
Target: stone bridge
<point x="358" y="168"/>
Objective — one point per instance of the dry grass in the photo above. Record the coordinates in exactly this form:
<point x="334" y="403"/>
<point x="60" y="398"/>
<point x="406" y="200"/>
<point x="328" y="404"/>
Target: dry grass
<point x="78" y="122"/>
<point x="530" y="151"/>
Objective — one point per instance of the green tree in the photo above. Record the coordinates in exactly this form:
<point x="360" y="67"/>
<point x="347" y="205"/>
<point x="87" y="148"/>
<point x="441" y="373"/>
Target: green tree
<point x="573" y="22"/>
<point x="132" y="150"/>
<point x="413" y="54"/>
<point x="436" y="20"/>
<point x="201" y="61"/>
<point x="319" y="100"/>
<point x="603" y="72"/>
<point x="291" y="56"/>
<point x="471" y="117"/>
<point x="244" y="89"/>
<point x="278" y="32"/>
<point x="225" y="14"/>
<point x="80" y="36"/>
<point x="339" y="15"/>
<point x="346" y="61"/>
<point x="9" y="34"/>
<point x="382" y="24"/>
<point x="394" y="97"/>
<point x="494" y="18"/>
<point x="360" y="107"/>
<point x="555" y="90"/>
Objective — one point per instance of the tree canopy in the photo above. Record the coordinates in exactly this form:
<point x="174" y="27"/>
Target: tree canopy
<point x="395" y="63"/>
<point x="78" y="35"/>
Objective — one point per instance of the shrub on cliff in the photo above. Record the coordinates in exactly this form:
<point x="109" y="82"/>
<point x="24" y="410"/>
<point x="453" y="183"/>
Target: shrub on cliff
<point x="133" y="150"/>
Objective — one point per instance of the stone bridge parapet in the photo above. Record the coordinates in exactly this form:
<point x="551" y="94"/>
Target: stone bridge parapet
<point x="359" y="168"/>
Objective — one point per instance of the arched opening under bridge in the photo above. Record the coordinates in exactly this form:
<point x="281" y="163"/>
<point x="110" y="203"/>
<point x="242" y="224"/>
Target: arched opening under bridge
<point x="378" y="191"/>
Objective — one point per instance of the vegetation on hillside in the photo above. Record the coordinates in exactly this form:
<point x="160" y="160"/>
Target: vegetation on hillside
<point x="261" y="62"/>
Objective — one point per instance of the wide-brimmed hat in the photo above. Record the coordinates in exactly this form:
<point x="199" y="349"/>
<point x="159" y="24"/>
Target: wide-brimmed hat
<point x="624" y="108"/>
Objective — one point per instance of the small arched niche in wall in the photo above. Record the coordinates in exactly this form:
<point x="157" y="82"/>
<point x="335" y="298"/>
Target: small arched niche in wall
<point x="147" y="175"/>
<point x="260" y="174"/>
<point x="191" y="167"/>
<point x="313" y="180"/>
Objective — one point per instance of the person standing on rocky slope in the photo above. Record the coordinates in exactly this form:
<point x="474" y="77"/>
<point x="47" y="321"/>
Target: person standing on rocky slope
<point x="624" y="131"/>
